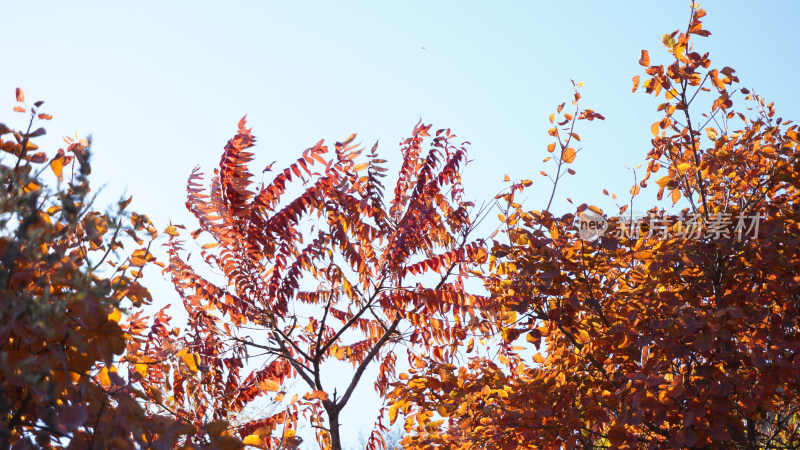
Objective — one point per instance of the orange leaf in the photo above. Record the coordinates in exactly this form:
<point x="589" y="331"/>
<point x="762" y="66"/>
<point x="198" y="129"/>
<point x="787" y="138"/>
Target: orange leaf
<point x="20" y="95"/>
<point x="568" y="155"/>
<point x="635" y="83"/>
<point x="57" y="164"/>
<point x="644" y="60"/>
<point x="140" y="257"/>
<point x="676" y="195"/>
<point x="654" y="128"/>
<point x="269" y="385"/>
<point x="663" y="181"/>
<point x="316" y="394"/>
<point x="551" y="147"/>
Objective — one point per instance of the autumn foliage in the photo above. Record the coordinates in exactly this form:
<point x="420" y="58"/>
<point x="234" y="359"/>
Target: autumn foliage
<point x="341" y="270"/>
<point x="680" y="331"/>
<point x="676" y="329"/>
<point x="64" y="279"/>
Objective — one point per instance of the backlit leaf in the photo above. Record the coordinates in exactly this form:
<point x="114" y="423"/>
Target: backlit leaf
<point x="568" y="155"/>
<point x="644" y="59"/>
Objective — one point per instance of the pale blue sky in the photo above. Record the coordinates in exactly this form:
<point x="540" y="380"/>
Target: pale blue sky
<point x="161" y="86"/>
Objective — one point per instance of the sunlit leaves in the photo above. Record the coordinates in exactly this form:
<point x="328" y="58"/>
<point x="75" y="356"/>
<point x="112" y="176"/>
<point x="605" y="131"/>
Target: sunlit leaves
<point x="355" y="258"/>
<point x="64" y="337"/>
<point x="568" y="155"/>
<point x="644" y="59"/>
<point x="672" y="329"/>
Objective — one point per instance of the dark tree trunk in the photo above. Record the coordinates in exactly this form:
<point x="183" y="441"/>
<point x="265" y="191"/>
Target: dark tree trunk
<point x="333" y="426"/>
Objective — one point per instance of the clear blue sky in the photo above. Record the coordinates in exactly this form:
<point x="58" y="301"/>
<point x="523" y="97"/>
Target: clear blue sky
<point x="161" y="85"/>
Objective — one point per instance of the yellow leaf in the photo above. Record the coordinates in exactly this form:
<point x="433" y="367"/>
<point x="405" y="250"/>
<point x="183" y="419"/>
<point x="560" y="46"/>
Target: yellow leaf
<point x="114" y="315"/>
<point x="140" y="257"/>
<point x="141" y="369"/>
<point x="538" y="358"/>
<point x="683" y="167"/>
<point x="568" y="155"/>
<point x="269" y="385"/>
<point x="103" y="376"/>
<point x="711" y="133"/>
<point x="663" y="181"/>
<point x="33" y="186"/>
<point x="654" y="128"/>
<point x="635" y="190"/>
<point x="253" y="440"/>
<point x="57" y="165"/>
<point x="189" y="359"/>
<point x="360" y="167"/>
<point x="676" y="195"/>
<point x="554" y="232"/>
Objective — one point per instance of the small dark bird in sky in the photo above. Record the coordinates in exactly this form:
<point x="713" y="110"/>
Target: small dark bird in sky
<point x="269" y="167"/>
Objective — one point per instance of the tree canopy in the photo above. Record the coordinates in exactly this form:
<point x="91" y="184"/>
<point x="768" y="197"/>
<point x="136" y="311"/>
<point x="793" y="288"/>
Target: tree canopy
<point x="674" y="327"/>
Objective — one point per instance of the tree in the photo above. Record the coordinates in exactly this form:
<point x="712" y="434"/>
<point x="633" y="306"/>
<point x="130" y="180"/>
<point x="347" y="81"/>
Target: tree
<point x="675" y="331"/>
<point x="337" y="272"/>
<point x="62" y="290"/>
